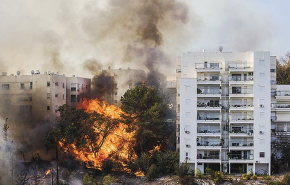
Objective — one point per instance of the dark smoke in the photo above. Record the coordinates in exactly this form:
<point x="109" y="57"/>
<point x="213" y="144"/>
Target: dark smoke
<point x="92" y="66"/>
<point x="103" y="84"/>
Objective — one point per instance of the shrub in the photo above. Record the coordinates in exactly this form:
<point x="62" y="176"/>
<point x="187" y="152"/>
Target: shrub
<point x="167" y="162"/>
<point x="218" y="177"/>
<point x="143" y="162"/>
<point x="286" y="179"/>
<point x="107" y="180"/>
<point x="255" y="177"/>
<point x="244" y="176"/>
<point x="183" y="170"/>
<point x="210" y="172"/>
<point x="107" y="166"/>
<point x="248" y="176"/>
<point x="267" y="177"/>
<point x="89" y="180"/>
<point x="152" y="172"/>
<point x="198" y="173"/>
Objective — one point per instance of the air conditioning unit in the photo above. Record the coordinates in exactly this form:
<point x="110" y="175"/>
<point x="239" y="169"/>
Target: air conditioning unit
<point x="187" y="158"/>
<point x="261" y="132"/>
<point x="187" y="132"/>
<point x="187" y="146"/>
<point x="261" y="105"/>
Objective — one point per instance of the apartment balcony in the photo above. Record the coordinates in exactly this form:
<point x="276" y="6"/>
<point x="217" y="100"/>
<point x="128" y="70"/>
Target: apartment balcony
<point x="282" y="95"/>
<point x="241" y="107"/>
<point x="207" y="106"/>
<point x="208" y="158"/>
<point x="208" y="131"/>
<point x="241" y="132"/>
<point x="215" y="92"/>
<point x="240" y="80"/>
<point x="240" y="158"/>
<point x="240" y="92"/>
<point x="237" y="144"/>
<point x="240" y="67"/>
<point x="283" y="107"/>
<point x="209" y="144"/>
<point x="208" y="119"/>
<point x="210" y="80"/>
<point x="208" y="67"/>
<point x="241" y="120"/>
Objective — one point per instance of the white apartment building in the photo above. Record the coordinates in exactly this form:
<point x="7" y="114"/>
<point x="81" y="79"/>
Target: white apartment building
<point x="224" y="111"/>
<point x="38" y="96"/>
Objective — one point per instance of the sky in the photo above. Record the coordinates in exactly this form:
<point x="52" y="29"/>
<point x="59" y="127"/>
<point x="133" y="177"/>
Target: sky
<point x="61" y="35"/>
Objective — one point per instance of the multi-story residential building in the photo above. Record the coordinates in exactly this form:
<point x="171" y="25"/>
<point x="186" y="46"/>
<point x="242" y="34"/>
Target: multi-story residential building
<point x="77" y="90"/>
<point x="225" y="109"/>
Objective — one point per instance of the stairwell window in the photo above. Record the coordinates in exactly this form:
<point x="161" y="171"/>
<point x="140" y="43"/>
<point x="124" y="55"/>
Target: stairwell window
<point x="262" y="154"/>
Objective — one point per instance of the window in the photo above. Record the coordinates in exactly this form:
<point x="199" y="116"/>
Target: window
<point x="73" y="87"/>
<point x="48" y="95"/>
<point x="187" y="114"/>
<point x="56" y="83"/>
<point x="262" y="75"/>
<point x="56" y="95"/>
<point x="262" y="114"/>
<point x="262" y="154"/>
<point x="214" y="65"/>
<point x="31" y="84"/>
<point x="48" y="84"/>
<point x="116" y="101"/>
<point x="63" y="96"/>
<point x="48" y="108"/>
<point x="187" y="101"/>
<point x="73" y="98"/>
<point x="272" y="70"/>
<point x="30" y="98"/>
<point x="262" y="141"/>
<point x="63" y="85"/>
<point x="5" y="86"/>
<point x="261" y="62"/>
<point x="21" y="85"/>
<point x="262" y="88"/>
<point x="236" y="90"/>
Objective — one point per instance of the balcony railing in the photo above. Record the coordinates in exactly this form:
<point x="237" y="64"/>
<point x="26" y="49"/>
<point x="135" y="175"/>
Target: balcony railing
<point x="209" y="143"/>
<point x="241" y="143"/>
<point x="205" y="130"/>
<point x="207" y="66"/>
<point x="282" y="93"/>
<point x="241" y="157"/>
<point x="238" y="79"/>
<point x="200" y="156"/>
<point x="241" y="91"/>
<point x="239" y="65"/>
<point x="208" y="91"/>
<point x="210" y="78"/>
<point x="241" y="131"/>
<point x="208" y="118"/>
<point x="241" y="118"/>
<point x="208" y="104"/>
<point x="241" y="106"/>
<point x="281" y="105"/>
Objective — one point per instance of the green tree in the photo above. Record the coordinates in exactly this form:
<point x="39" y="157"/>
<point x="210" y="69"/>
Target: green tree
<point x="145" y="114"/>
<point x="283" y="70"/>
<point x="87" y="130"/>
<point x="89" y="180"/>
<point x="107" y="180"/>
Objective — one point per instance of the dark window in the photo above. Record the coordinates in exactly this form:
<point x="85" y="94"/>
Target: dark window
<point x="262" y="154"/>
<point x="48" y="108"/>
<point x="236" y="90"/>
<point x="48" y="95"/>
<point x="272" y="70"/>
<point x="31" y="85"/>
<point x="5" y="86"/>
<point x="48" y="83"/>
<point x="21" y="85"/>
<point x="56" y="95"/>
<point x="62" y="85"/>
<point x="73" y="98"/>
<point x="73" y="87"/>
<point x="56" y="83"/>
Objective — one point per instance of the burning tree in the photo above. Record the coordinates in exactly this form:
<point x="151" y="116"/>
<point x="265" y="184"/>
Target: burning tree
<point x="144" y="113"/>
<point x="91" y="133"/>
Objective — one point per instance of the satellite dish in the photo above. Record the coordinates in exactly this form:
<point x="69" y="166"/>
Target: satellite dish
<point x="221" y="48"/>
<point x="32" y="72"/>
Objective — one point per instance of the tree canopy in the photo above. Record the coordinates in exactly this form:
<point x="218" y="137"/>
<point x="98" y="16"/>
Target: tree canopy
<point x="144" y="112"/>
<point x="283" y="70"/>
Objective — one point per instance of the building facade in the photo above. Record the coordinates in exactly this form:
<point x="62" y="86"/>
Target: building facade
<point x="224" y="110"/>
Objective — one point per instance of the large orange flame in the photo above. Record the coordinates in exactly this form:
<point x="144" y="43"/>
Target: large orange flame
<point x="118" y="143"/>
